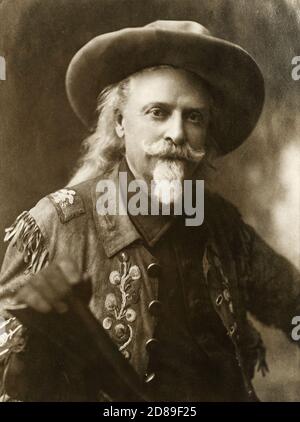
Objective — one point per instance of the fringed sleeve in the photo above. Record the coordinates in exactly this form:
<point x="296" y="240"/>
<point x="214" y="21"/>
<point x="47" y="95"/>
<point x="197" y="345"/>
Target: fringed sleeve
<point x="26" y="255"/>
<point x="27" y="237"/>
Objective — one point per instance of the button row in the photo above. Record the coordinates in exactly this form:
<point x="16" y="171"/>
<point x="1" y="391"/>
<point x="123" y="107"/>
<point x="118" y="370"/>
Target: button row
<point x="155" y="308"/>
<point x="154" y="270"/>
<point x="151" y="344"/>
<point x="149" y="378"/>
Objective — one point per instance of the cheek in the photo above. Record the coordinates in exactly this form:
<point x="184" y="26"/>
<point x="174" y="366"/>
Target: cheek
<point x="132" y="137"/>
<point x="137" y="133"/>
<point x="197" y="137"/>
<point x="134" y="146"/>
<point x="141" y="128"/>
<point x="131" y="128"/>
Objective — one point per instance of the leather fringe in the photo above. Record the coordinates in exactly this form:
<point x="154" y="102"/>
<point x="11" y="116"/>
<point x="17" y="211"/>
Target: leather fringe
<point x="26" y="235"/>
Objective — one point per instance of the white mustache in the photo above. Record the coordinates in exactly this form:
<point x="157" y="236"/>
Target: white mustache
<point x="165" y="149"/>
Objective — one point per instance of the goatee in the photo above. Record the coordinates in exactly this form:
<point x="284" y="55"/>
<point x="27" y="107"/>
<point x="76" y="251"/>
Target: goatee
<point x="168" y="177"/>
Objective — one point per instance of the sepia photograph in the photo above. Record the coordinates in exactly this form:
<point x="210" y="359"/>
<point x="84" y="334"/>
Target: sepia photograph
<point x="149" y="202"/>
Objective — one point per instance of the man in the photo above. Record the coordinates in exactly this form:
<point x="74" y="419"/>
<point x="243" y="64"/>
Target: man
<point x="173" y="297"/>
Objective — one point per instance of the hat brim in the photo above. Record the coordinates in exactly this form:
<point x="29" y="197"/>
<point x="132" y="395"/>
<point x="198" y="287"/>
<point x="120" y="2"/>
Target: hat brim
<point x="236" y="80"/>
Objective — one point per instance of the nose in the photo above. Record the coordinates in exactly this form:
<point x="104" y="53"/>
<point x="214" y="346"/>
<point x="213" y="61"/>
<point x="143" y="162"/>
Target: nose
<point x="175" y="129"/>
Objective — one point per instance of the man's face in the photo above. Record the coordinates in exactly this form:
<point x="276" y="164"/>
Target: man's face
<point x="165" y="108"/>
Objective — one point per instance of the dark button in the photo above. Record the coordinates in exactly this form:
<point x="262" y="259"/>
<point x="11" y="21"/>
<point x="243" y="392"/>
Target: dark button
<point x="149" y="378"/>
<point x="155" y="307"/>
<point x="154" y="269"/>
<point x="151" y="344"/>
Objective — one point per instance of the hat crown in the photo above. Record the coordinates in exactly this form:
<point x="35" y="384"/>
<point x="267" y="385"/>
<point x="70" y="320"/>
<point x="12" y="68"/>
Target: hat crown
<point x="179" y="26"/>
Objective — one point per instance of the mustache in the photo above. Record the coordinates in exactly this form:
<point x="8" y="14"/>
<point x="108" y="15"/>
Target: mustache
<point x="166" y="149"/>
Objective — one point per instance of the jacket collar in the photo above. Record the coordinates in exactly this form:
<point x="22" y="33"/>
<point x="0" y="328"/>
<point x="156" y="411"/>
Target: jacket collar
<point x="119" y="231"/>
<point x="115" y="231"/>
<point x="151" y="227"/>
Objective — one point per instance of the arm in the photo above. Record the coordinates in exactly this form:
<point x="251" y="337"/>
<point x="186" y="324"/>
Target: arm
<point x="272" y="284"/>
<point x="25" y="255"/>
<point x="31" y="369"/>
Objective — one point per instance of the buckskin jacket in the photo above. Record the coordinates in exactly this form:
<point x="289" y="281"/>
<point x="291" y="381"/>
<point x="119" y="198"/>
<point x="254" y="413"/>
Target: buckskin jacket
<point x="175" y="299"/>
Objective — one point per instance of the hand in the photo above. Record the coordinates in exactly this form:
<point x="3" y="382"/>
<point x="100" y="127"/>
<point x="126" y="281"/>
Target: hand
<point x="47" y="290"/>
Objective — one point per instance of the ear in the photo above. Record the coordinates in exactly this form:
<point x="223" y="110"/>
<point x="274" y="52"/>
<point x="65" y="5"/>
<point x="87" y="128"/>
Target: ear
<point x="119" y="125"/>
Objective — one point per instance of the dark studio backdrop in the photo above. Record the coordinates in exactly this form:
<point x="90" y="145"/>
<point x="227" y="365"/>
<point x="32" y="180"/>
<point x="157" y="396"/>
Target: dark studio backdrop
<point x="40" y="137"/>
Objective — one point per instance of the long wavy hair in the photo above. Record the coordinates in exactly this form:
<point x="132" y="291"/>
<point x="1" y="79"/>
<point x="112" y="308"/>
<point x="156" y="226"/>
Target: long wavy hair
<point x="101" y="151"/>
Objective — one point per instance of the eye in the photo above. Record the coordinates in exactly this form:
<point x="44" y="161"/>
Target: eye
<point x="157" y="113"/>
<point x="196" y="117"/>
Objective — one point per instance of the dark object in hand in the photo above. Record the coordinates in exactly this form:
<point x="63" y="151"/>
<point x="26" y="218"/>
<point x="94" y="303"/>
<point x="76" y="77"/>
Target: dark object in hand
<point x="86" y="344"/>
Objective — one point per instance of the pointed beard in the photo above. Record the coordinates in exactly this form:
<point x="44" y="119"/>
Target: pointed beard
<point x="168" y="177"/>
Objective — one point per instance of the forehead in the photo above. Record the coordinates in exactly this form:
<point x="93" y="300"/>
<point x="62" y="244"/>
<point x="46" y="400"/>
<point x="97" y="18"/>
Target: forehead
<point x="168" y="85"/>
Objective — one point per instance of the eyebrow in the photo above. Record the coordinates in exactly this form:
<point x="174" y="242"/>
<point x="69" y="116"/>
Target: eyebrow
<point x="168" y="105"/>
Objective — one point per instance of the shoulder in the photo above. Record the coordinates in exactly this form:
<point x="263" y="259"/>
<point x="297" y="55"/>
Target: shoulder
<point x="228" y="226"/>
<point x="63" y="205"/>
<point x="35" y="232"/>
<point x="217" y="207"/>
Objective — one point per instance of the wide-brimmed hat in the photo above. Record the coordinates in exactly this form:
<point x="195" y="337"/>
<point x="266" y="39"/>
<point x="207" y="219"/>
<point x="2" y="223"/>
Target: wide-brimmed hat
<point x="234" y="77"/>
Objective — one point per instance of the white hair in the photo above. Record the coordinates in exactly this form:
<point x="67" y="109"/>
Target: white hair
<point x="102" y="150"/>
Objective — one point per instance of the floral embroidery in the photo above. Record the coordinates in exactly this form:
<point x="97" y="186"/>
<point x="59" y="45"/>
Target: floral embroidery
<point x="67" y="203"/>
<point x="64" y="196"/>
<point x="118" y="304"/>
<point x="110" y="302"/>
<point x="134" y="272"/>
<point x="211" y="258"/>
<point x="226" y="295"/>
<point x="130" y="315"/>
<point x="115" y="277"/>
<point x="107" y="323"/>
